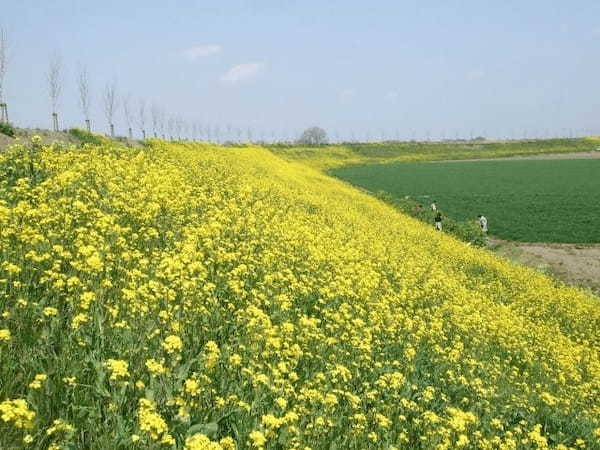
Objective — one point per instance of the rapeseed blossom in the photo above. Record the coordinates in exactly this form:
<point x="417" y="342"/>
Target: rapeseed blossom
<point x="38" y="380"/>
<point x="17" y="411"/>
<point x="5" y="335"/>
<point x="50" y="311"/>
<point x="118" y="368"/>
<point x="172" y="344"/>
<point x="187" y="295"/>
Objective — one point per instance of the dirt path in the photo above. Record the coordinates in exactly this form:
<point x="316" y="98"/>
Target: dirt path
<point x="577" y="155"/>
<point x="577" y="264"/>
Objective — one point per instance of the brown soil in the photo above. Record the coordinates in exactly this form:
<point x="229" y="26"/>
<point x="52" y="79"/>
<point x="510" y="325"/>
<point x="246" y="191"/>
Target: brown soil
<point x="578" y="155"/>
<point x="5" y="141"/>
<point x="577" y="264"/>
<point x="24" y="136"/>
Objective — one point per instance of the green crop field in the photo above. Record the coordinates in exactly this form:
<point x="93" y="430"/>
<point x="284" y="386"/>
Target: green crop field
<point x="529" y="201"/>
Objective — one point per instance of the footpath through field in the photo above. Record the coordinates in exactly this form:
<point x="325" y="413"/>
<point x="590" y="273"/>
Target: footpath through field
<point x="542" y="156"/>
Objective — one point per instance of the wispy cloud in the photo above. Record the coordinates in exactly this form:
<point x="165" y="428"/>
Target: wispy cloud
<point x="243" y="72"/>
<point x="346" y="95"/>
<point x="475" y="74"/>
<point x="391" y="96"/>
<point x="193" y="54"/>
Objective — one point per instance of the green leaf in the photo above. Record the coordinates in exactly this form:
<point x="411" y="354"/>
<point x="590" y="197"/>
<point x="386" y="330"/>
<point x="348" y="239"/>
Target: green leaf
<point x="209" y="429"/>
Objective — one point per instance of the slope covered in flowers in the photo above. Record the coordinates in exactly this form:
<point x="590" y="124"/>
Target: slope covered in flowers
<point x="203" y="297"/>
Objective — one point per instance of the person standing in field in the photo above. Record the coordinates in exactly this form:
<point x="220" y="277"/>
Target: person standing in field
<point x="433" y="206"/>
<point x="483" y="223"/>
<point x="438" y="221"/>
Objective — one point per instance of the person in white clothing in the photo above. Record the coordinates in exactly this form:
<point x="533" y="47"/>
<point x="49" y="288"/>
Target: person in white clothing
<point x="483" y="223"/>
<point x="433" y="206"/>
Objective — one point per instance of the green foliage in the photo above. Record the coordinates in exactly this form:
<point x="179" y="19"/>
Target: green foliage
<point x="7" y="129"/>
<point x="85" y="137"/>
<point x="465" y="230"/>
<point x="528" y="201"/>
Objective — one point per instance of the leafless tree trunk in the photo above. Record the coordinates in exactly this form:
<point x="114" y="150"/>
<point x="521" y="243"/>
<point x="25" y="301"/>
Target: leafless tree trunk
<point x="170" y="127"/>
<point x="85" y="96"/>
<point x="178" y="126"/>
<point x="154" y="114"/>
<point x="128" y="116"/>
<point x="110" y="105"/>
<point x="186" y="131"/>
<point x="3" y="68"/>
<point x="55" y="85"/>
<point x="142" y="117"/>
<point x="161" y="122"/>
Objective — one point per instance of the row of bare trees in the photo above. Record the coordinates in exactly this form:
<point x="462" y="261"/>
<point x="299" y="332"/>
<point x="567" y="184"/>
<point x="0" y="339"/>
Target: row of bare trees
<point x="55" y="84"/>
<point x="135" y="114"/>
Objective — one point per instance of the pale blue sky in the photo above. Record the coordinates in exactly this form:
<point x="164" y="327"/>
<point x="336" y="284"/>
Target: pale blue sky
<point x="406" y="67"/>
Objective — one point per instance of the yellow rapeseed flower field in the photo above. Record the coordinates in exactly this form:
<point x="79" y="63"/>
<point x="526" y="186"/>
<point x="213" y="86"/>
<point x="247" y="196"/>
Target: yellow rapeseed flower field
<point x="200" y="297"/>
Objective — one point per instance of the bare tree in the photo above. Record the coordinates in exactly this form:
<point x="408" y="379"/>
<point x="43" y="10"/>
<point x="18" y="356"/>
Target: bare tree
<point x="154" y="114"/>
<point x="186" y="131"/>
<point x="110" y="105"/>
<point x="178" y="126"/>
<point x="85" y="96"/>
<point x="142" y="117"/>
<point x="127" y="114"/>
<point x="55" y="86"/>
<point x="170" y="127"/>
<point x="161" y="122"/>
<point x="3" y="68"/>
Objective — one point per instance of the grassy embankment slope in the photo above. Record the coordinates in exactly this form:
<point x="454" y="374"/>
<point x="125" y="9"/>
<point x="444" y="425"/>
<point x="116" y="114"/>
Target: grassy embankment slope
<point x="333" y="156"/>
<point x="186" y="294"/>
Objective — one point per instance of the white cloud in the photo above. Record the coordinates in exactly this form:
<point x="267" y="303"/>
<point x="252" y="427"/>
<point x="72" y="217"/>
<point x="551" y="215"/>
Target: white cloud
<point x="391" y="96"/>
<point x="476" y="74"/>
<point x="243" y="72"/>
<point x="346" y="95"/>
<point x="193" y="54"/>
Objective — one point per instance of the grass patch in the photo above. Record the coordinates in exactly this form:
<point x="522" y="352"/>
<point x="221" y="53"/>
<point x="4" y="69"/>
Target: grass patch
<point x="7" y="129"/>
<point x="344" y="155"/>
<point x="528" y="201"/>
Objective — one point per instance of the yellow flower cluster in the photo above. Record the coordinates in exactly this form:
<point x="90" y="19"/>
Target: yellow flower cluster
<point x="172" y="344"/>
<point x="211" y="354"/>
<point x="193" y="296"/>
<point x="118" y="368"/>
<point x="38" y="380"/>
<point x="17" y="411"/>
<point x="200" y="441"/>
<point x="59" y="426"/>
<point x="152" y="423"/>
